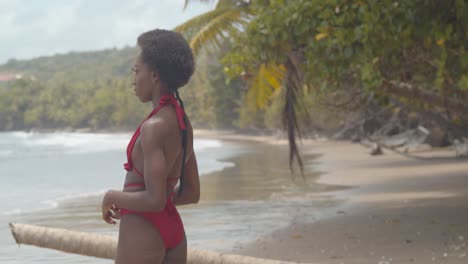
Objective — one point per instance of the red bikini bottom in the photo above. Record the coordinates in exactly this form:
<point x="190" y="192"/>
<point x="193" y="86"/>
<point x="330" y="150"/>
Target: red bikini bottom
<point x="167" y="222"/>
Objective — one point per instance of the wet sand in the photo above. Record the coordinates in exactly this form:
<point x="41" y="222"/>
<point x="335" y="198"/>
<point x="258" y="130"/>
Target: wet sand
<point x="364" y="209"/>
<point x="247" y="191"/>
<point x="399" y="210"/>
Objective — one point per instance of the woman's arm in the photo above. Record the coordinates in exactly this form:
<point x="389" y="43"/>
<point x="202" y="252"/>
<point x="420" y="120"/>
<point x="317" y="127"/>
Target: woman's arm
<point x="191" y="191"/>
<point x="153" y="198"/>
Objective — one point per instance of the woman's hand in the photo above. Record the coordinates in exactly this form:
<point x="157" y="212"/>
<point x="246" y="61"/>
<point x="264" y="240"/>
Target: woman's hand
<point x="110" y="212"/>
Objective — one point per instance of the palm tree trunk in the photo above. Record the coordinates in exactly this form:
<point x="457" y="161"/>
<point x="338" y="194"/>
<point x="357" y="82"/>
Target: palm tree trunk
<point x="103" y="246"/>
<point x="81" y="243"/>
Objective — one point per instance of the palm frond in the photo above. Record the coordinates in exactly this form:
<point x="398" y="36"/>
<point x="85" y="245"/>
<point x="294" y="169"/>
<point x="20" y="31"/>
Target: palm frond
<point x="217" y="28"/>
<point x="188" y="1"/>
<point x="293" y="85"/>
<point x="266" y="81"/>
<point x="230" y="3"/>
<point x="193" y="25"/>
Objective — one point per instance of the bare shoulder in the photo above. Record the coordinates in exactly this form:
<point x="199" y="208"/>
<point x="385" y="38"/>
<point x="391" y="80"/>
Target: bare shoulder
<point x="169" y="117"/>
<point x="154" y="131"/>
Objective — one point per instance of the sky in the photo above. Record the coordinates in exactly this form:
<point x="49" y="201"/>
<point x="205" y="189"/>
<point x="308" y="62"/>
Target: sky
<point x="30" y="28"/>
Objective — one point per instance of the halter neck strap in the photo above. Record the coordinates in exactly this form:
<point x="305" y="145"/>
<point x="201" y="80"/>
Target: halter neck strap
<point x="163" y="101"/>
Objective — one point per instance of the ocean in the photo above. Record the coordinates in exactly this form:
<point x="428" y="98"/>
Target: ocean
<point x="58" y="179"/>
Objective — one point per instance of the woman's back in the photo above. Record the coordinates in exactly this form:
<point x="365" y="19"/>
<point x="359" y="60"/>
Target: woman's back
<point x="172" y="148"/>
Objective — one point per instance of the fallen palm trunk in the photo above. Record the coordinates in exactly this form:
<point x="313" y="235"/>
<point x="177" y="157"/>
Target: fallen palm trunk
<point x="103" y="246"/>
<point x="82" y="243"/>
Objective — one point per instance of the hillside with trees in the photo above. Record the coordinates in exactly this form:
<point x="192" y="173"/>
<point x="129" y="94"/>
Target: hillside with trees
<point x="93" y="90"/>
<point x="352" y="69"/>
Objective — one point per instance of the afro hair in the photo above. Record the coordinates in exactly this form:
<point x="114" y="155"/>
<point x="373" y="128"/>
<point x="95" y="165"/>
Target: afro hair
<point x="168" y="53"/>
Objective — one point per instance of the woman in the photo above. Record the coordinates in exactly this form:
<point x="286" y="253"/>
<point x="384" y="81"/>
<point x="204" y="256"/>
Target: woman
<point x="150" y="227"/>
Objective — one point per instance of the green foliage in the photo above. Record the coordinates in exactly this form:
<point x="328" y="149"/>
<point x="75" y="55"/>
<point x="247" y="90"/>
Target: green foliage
<point x="76" y="90"/>
<point x="94" y="90"/>
<point x="370" y="41"/>
<point x="341" y="46"/>
<point x="211" y="101"/>
<point x="76" y="66"/>
<point x="214" y="27"/>
<point x="29" y="104"/>
<point x="360" y="45"/>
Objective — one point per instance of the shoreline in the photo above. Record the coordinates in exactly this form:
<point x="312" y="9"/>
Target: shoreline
<point x="399" y="210"/>
<point x="396" y="209"/>
<point x="232" y="195"/>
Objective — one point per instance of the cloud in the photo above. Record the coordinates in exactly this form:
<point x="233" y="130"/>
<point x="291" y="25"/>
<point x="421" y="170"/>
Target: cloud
<point x="36" y="28"/>
<point x="7" y="19"/>
<point x="58" y="19"/>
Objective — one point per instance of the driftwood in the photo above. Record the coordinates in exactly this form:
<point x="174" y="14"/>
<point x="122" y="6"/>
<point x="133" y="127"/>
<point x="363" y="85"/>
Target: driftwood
<point x="410" y="138"/>
<point x="461" y="147"/>
<point x="103" y="246"/>
<point x="376" y="150"/>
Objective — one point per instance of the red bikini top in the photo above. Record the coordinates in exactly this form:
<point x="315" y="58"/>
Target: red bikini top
<point x="163" y="101"/>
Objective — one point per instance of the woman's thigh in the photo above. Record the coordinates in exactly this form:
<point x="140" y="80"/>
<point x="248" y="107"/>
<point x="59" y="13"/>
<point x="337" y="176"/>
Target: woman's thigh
<point x="177" y="255"/>
<point x="139" y="242"/>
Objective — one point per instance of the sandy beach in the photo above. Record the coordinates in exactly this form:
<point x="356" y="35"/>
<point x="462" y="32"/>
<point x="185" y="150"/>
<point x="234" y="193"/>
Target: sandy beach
<point x="240" y="179"/>
<point x="398" y="210"/>
<point x="355" y="208"/>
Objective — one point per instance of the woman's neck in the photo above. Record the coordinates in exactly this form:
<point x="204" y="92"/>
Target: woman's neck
<point x="156" y="97"/>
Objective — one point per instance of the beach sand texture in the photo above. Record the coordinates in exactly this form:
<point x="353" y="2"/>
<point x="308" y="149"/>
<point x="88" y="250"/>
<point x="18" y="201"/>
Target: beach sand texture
<point x="246" y="191"/>
<point x="399" y="210"/>
<point x="380" y="209"/>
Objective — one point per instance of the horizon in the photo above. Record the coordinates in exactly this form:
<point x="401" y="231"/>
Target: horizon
<point x="81" y="27"/>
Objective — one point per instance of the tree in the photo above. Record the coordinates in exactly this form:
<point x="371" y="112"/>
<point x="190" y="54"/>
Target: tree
<point x="413" y="52"/>
<point x="229" y="19"/>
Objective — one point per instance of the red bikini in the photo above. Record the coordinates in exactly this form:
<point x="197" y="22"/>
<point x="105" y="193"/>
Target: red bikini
<point x="167" y="221"/>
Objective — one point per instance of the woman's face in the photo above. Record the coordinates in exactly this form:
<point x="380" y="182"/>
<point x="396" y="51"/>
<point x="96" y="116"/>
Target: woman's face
<point x="143" y="80"/>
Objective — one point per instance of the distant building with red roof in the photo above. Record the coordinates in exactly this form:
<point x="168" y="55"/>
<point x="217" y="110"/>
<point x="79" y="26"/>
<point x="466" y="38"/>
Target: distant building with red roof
<point x="5" y="77"/>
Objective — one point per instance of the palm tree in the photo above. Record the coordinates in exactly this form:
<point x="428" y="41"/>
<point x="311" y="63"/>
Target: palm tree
<point x="231" y="17"/>
<point x="213" y="26"/>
